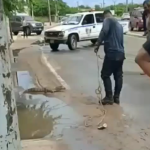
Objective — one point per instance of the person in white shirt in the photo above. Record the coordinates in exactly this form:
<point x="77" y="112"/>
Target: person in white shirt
<point x="24" y="26"/>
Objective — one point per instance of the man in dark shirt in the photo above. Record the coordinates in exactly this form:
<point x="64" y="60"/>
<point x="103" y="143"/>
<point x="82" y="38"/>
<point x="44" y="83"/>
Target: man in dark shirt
<point x="144" y="17"/>
<point x="112" y="35"/>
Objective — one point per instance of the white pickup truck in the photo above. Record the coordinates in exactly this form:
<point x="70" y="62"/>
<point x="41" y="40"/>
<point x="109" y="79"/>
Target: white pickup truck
<point x="78" y="27"/>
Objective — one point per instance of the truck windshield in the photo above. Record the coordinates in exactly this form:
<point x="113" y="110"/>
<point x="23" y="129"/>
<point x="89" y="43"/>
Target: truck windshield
<point x="75" y="19"/>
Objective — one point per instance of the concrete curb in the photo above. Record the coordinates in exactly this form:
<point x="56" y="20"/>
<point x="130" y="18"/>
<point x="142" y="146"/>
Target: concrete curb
<point x="45" y="62"/>
<point x="136" y="35"/>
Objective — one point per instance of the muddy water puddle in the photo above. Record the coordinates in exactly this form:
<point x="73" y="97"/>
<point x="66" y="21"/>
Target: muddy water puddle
<point x="40" y="116"/>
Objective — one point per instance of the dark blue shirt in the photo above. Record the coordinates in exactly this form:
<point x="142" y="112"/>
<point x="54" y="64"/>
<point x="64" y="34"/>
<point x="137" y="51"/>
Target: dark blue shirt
<point x="112" y="35"/>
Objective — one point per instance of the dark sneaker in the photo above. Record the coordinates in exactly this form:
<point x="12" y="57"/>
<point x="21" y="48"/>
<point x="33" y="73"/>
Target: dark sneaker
<point x="116" y="100"/>
<point x="107" y="101"/>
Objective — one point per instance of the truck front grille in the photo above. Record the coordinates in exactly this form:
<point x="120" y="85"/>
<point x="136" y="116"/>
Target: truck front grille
<point x="38" y="24"/>
<point x="52" y="34"/>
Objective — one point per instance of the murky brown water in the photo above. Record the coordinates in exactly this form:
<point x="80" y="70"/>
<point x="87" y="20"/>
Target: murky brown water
<point x="33" y="124"/>
<point x="40" y="116"/>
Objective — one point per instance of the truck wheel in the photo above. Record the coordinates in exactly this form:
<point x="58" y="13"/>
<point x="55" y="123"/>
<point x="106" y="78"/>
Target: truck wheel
<point x="54" y="46"/>
<point x="38" y="33"/>
<point x="28" y="31"/>
<point x="72" y="42"/>
<point x="130" y="27"/>
<point x="138" y="28"/>
<point x="16" y="33"/>
<point x="94" y="41"/>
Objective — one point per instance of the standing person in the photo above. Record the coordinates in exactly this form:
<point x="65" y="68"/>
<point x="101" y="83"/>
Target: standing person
<point x="147" y="8"/>
<point x="143" y="56"/>
<point x="112" y="35"/>
<point x="24" y="25"/>
<point x="144" y="17"/>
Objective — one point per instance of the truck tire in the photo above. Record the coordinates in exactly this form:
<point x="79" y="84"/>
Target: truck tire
<point x="72" y="42"/>
<point x="138" y="28"/>
<point x="54" y="46"/>
<point x="38" y="33"/>
<point x="16" y="33"/>
<point x="94" y="41"/>
<point x="28" y="31"/>
<point x="130" y="27"/>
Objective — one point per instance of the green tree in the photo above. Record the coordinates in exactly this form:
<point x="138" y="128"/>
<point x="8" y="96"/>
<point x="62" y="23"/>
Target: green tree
<point x="97" y="7"/>
<point x="82" y="6"/>
<point x="11" y="6"/>
<point x="41" y="8"/>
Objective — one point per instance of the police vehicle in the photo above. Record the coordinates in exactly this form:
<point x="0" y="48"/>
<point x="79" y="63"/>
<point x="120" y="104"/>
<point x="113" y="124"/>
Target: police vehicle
<point x="78" y="27"/>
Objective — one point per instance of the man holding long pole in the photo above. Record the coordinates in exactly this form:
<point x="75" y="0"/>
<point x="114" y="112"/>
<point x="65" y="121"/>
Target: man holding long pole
<point x="112" y="35"/>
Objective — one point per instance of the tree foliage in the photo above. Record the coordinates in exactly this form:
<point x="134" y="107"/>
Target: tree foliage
<point x="40" y="7"/>
<point x="97" y="7"/>
<point x="121" y="8"/>
<point x="11" y="6"/>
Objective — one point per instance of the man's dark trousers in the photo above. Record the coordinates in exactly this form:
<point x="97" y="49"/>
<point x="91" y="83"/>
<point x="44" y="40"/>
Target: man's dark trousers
<point x="112" y="67"/>
<point x="144" y="20"/>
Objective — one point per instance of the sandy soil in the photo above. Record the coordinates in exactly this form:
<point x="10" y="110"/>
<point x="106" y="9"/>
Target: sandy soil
<point x="121" y="134"/>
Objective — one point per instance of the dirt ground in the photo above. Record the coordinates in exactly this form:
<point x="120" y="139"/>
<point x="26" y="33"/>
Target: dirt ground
<point x="43" y="144"/>
<point x="121" y="133"/>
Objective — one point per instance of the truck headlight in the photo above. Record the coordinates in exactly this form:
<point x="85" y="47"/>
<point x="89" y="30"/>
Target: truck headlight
<point x="33" y="24"/>
<point x="61" y="34"/>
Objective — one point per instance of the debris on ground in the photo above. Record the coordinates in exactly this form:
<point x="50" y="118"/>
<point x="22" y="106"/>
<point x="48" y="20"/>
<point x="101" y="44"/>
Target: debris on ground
<point x="102" y="127"/>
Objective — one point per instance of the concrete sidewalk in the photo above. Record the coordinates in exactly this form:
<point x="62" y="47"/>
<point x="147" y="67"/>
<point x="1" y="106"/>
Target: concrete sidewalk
<point x="136" y="34"/>
<point x="42" y="145"/>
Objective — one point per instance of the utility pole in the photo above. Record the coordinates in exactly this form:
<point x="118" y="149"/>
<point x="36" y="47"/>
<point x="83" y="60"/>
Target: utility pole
<point x="9" y="131"/>
<point x="103" y="3"/>
<point x="28" y="5"/>
<point x="32" y="11"/>
<point x="49" y="12"/>
<point x="132" y="2"/>
<point x="56" y="10"/>
<point x="126" y="5"/>
<point x="114" y="5"/>
<point x="78" y="6"/>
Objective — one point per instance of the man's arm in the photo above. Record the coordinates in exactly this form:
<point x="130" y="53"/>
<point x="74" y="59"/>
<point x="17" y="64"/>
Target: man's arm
<point x="143" y="57"/>
<point x="104" y="31"/>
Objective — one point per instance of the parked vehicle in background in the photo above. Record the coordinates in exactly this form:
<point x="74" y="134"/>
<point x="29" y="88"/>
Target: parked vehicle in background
<point x="125" y="16"/>
<point x="136" y="20"/>
<point x="78" y="27"/>
<point x="33" y="26"/>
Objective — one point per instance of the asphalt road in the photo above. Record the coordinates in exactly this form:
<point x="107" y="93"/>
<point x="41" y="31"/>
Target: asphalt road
<point x="79" y="70"/>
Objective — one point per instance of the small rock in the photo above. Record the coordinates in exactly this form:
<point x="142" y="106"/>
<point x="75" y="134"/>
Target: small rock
<point x="104" y="126"/>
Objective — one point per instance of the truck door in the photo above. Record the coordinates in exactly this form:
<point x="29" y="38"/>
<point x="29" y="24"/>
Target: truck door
<point x="99" y="17"/>
<point x="88" y="27"/>
<point x="18" y="23"/>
